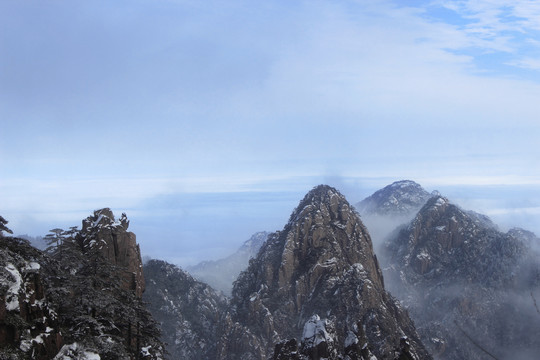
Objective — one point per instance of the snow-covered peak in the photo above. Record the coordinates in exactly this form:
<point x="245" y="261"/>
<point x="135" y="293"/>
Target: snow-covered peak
<point x="319" y="198"/>
<point x="399" y="198"/>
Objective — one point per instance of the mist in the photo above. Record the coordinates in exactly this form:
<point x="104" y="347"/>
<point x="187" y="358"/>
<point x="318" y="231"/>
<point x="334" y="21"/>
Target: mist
<point x="185" y="228"/>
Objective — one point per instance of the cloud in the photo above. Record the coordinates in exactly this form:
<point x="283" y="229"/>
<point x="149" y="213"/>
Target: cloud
<point x="497" y="26"/>
<point x="108" y="104"/>
<point x="527" y="63"/>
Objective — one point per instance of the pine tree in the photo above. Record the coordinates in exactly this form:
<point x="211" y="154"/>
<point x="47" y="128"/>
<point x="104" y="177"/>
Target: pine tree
<point x="55" y="238"/>
<point x="3" y="227"/>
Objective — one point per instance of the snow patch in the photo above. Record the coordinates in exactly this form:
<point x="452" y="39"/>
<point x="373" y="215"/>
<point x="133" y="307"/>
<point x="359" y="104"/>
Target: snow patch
<point x="26" y="345"/>
<point x="75" y="352"/>
<point x="145" y="351"/>
<point x="12" y="296"/>
<point x="32" y="266"/>
<point x="315" y="332"/>
<point x="327" y="263"/>
<point x="440" y="201"/>
<point x="351" y="339"/>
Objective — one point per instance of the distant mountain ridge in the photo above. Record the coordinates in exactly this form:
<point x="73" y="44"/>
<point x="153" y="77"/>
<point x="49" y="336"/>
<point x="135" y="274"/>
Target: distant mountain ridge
<point x="220" y="274"/>
<point x="390" y="207"/>
<point x="400" y="198"/>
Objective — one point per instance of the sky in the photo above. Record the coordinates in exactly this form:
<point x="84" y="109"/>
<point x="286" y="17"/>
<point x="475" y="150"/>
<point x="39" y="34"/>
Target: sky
<point x="208" y="121"/>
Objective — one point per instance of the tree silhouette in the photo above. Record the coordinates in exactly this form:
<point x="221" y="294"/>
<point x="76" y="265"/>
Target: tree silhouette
<point x="55" y="238"/>
<point x="3" y="227"/>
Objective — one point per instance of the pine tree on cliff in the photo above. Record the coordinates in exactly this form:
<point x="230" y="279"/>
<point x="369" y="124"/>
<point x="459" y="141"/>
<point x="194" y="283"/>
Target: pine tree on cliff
<point x="55" y="238"/>
<point x="3" y="227"/>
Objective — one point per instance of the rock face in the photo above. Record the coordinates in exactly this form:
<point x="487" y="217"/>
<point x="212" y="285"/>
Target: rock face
<point x="28" y="322"/>
<point x="118" y="246"/>
<point x="189" y="311"/>
<point x="75" y="302"/>
<point x="320" y="270"/>
<point x="469" y="287"/>
<point x="221" y="274"/>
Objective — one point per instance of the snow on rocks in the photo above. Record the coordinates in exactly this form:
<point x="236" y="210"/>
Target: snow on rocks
<point x="318" y="337"/>
<point x="12" y="296"/>
<point x="76" y="352"/>
<point x="315" y="331"/>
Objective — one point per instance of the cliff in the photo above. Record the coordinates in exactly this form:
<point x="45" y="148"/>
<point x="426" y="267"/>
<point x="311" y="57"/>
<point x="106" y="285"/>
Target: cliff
<point x="80" y="300"/>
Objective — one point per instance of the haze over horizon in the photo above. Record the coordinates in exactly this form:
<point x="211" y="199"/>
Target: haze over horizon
<point x="206" y="122"/>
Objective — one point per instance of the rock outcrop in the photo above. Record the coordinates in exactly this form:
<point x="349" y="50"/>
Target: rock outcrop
<point x="80" y="300"/>
<point x="102" y="233"/>
<point x="320" y="269"/>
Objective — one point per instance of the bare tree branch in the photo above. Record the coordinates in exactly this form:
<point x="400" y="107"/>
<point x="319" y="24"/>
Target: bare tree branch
<point x="474" y="342"/>
<point x="535" y="305"/>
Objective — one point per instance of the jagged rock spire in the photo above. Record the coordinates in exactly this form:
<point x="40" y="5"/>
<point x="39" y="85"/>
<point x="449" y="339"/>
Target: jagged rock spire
<point x="322" y="264"/>
<point x="110" y="238"/>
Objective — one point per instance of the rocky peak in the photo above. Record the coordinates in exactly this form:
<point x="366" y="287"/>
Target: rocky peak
<point x="398" y="199"/>
<point x="526" y="236"/>
<point x="392" y="207"/>
<point x="462" y="279"/>
<point x="321" y="264"/>
<point x="443" y="238"/>
<point x="324" y="235"/>
<point x="109" y="237"/>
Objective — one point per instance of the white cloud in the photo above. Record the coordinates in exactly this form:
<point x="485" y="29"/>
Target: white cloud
<point x="201" y="97"/>
<point x="497" y="24"/>
<point x="526" y="63"/>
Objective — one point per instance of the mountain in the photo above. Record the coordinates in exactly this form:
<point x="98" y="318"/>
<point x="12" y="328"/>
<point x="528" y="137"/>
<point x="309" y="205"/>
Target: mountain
<point x="314" y="290"/>
<point x="470" y="288"/>
<point x="317" y="281"/>
<point x="392" y="206"/>
<point x="189" y="311"/>
<point x="220" y="274"/>
<point x="80" y="300"/>
<point x="400" y="198"/>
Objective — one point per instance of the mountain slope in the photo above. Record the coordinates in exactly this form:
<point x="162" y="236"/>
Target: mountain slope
<point x="189" y="311"/>
<point x="320" y="270"/>
<point x="220" y="274"/>
<point x="467" y="285"/>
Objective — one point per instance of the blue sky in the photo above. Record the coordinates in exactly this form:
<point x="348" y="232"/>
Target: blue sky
<point x="178" y="112"/>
